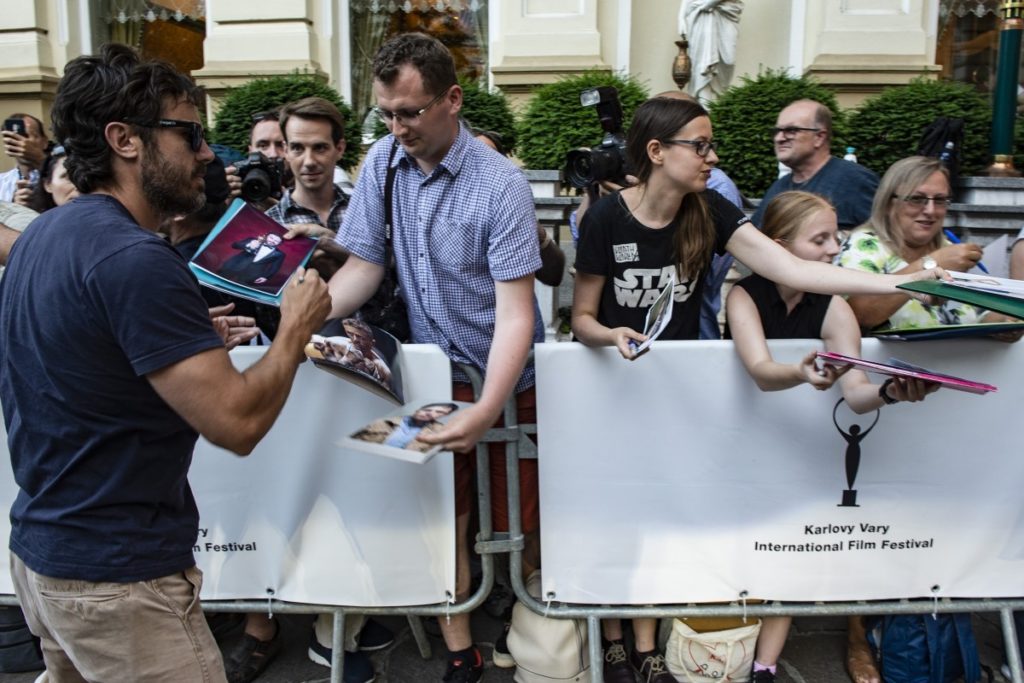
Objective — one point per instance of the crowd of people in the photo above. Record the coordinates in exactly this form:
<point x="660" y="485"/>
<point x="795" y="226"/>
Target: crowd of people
<point x="104" y="402"/>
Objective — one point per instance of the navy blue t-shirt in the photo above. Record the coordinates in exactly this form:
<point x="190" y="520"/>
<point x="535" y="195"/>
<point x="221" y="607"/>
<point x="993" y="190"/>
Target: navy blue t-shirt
<point x="90" y="303"/>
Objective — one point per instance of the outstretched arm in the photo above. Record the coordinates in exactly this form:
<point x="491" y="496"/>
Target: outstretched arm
<point x="842" y="335"/>
<point x="353" y="285"/>
<point x="513" y="339"/>
<point x="768" y="259"/>
<point x="234" y="409"/>
<point x="748" y="337"/>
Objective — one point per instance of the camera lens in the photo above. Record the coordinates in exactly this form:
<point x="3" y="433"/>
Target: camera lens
<point x="578" y="168"/>
<point x="255" y="185"/>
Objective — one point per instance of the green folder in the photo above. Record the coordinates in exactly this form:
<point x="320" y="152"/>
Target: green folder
<point x="1000" y="303"/>
<point x="945" y="331"/>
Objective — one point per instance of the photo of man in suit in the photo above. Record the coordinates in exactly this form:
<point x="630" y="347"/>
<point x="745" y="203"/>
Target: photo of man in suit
<point x="258" y="261"/>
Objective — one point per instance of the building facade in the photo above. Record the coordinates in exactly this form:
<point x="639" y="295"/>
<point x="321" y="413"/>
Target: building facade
<point x="855" y="46"/>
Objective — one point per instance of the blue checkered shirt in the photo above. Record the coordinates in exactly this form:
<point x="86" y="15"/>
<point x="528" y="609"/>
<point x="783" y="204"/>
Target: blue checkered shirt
<point x="289" y="211"/>
<point x="471" y="222"/>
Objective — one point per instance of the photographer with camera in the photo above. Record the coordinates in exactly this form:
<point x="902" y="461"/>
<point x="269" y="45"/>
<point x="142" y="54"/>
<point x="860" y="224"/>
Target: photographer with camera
<point x="261" y="177"/>
<point x="25" y="140"/>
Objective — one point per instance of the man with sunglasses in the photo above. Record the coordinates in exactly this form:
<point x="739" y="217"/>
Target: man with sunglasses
<point x="802" y="135"/>
<point x="465" y="244"/>
<point x="111" y="370"/>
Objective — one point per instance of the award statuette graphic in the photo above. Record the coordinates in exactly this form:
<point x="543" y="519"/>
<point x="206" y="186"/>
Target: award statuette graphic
<point x="853" y="439"/>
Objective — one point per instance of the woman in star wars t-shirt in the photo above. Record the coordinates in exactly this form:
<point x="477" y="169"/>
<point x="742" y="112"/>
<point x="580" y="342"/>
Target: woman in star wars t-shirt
<point x="632" y="242"/>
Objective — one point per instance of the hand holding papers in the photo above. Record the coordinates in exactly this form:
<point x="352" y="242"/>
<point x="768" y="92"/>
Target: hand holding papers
<point x="658" y="317"/>
<point x="898" y="368"/>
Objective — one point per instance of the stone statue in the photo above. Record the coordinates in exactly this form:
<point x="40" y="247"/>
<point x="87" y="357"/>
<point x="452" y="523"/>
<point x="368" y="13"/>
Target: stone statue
<point x="712" y="27"/>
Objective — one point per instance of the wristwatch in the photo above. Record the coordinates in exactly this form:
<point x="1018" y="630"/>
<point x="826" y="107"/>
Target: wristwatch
<point x="928" y="262"/>
<point x="883" y="392"/>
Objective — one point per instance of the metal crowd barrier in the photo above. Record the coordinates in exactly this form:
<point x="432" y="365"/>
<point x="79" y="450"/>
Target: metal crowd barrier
<point x="489" y="543"/>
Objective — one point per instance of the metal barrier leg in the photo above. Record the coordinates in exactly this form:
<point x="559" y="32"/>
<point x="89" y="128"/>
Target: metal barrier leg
<point x="419" y="635"/>
<point x="338" y="647"/>
<point x="1010" y="640"/>
<point x="594" y="645"/>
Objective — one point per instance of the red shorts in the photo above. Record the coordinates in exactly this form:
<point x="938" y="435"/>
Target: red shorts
<point x="465" y="468"/>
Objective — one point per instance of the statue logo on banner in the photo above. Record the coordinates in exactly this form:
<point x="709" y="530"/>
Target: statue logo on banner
<point x="853" y="439"/>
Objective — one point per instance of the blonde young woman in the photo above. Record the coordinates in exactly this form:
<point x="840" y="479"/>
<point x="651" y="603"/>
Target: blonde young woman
<point x="633" y="242"/>
<point x="758" y="309"/>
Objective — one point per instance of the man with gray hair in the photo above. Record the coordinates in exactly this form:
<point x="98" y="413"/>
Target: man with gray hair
<point x="802" y="135"/>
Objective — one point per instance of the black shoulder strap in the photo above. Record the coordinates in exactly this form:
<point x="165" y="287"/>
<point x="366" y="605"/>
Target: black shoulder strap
<point x="389" y="186"/>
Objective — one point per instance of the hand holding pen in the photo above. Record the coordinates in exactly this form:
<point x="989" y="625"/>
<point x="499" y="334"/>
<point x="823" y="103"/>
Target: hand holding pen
<point x="951" y="236"/>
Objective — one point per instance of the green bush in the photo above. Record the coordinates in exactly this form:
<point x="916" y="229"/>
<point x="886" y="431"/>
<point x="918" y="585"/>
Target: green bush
<point x="887" y="127"/>
<point x="554" y="122"/>
<point x="487" y="110"/>
<point x="234" y="119"/>
<point x="743" y="115"/>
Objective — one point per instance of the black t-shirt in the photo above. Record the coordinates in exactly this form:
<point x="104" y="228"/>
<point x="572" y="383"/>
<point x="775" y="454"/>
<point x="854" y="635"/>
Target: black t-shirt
<point x="89" y="305"/>
<point x="803" y="322"/>
<point x="637" y="263"/>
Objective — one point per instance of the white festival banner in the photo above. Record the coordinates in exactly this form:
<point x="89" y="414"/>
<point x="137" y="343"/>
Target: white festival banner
<point x="313" y="522"/>
<point x="673" y="479"/>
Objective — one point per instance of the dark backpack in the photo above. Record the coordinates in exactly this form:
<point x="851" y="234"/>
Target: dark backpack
<point x="944" y="139"/>
<point x="19" y="649"/>
<point x="925" y="648"/>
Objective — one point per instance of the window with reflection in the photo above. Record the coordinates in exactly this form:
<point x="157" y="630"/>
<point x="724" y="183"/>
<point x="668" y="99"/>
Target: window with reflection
<point x="171" y="30"/>
<point x="460" y="24"/>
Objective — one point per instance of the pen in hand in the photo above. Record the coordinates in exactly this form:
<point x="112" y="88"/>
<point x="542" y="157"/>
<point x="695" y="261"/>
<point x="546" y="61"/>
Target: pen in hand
<point x="955" y="240"/>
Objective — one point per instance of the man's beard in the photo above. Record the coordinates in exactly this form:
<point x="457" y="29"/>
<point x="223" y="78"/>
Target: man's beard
<point x="169" y="189"/>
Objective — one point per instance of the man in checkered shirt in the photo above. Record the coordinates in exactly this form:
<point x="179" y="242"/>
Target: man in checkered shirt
<point x="466" y="248"/>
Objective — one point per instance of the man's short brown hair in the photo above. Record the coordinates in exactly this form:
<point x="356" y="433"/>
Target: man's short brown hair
<point x="314" y="108"/>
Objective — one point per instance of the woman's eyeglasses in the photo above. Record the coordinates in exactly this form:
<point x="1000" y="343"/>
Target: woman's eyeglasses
<point x="701" y="147"/>
<point x="921" y="200"/>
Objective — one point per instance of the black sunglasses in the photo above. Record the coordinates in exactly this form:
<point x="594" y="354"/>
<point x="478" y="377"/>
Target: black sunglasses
<point x="196" y="135"/>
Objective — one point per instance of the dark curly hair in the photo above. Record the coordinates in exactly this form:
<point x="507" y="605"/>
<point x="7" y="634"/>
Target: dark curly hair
<point x="429" y="55"/>
<point x="114" y="85"/>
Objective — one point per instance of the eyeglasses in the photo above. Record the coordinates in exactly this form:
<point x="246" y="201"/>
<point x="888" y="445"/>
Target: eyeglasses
<point x="406" y="116"/>
<point x="790" y="132"/>
<point x="701" y="147"/>
<point x="196" y="135"/>
<point x="921" y="200"/>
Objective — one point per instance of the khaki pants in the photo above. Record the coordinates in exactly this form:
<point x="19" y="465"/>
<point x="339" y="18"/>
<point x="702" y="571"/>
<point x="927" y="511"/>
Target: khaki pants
<point x="152" y="631"/>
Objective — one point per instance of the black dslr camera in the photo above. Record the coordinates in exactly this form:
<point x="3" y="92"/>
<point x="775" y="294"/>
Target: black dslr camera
<point x="261" y="177"/>
<point x="606" y="161"/>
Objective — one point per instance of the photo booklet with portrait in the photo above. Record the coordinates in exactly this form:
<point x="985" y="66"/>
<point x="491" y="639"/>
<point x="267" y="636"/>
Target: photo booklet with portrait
<point x="246" y="255"/>
<point x="397" y="435"/>
<point x="361" y="353"/>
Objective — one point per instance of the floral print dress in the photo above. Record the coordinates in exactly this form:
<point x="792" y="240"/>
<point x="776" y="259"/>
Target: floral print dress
<point x="863" y="250"/>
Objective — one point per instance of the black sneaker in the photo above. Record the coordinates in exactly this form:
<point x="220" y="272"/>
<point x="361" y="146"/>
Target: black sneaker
<point x="375" y="636"/>
<point x="501" y="657"/>
<point x="617" y="668"/>
<point x="651" y="667"/>
<point x="251" y="656"/>
<point x="500" y="601"/>
<point x="464" y="667"/>
<point x="763" y="676"/>
<point x="358" y="667"/>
